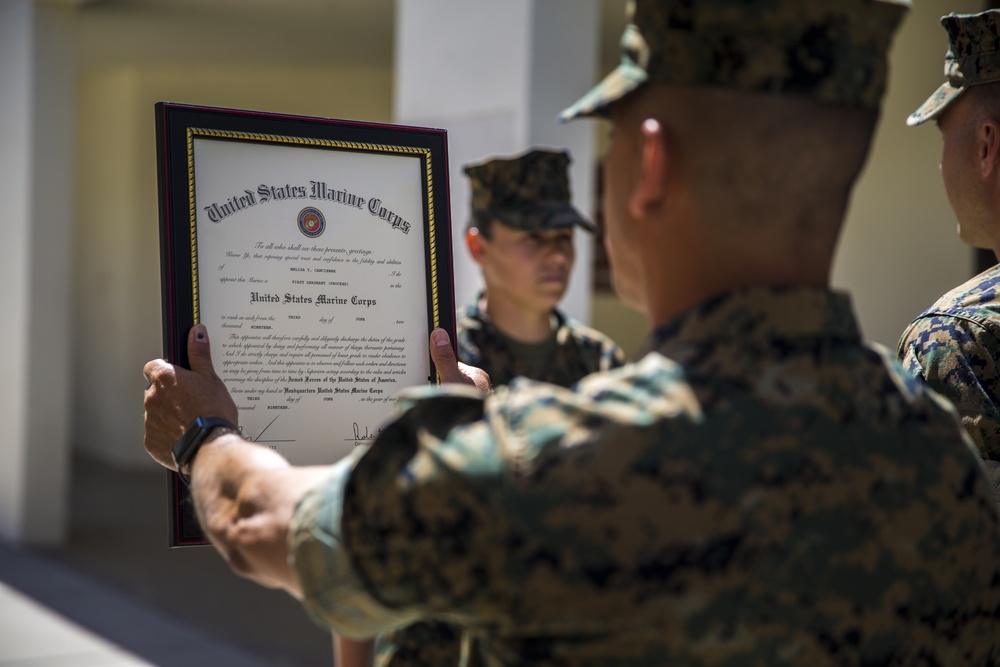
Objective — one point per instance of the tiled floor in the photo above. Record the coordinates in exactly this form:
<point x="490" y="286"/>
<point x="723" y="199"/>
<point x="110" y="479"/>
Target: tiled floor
<point x="32" y="634"/>
<point x="117" y="596"/>
<point x="52" y="616"/>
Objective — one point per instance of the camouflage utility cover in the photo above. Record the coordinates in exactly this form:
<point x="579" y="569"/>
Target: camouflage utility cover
<point x="529" y="192"/>
<point x="828" y="50"/>
<point x="762" y="488"/>
<point x="973" y="58"/>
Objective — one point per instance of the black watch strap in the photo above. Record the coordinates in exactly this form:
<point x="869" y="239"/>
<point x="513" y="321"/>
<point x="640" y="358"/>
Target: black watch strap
<point x="186" y="448"/>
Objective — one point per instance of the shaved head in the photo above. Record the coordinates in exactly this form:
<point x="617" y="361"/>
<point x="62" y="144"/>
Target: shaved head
<point x="758" y="160"/>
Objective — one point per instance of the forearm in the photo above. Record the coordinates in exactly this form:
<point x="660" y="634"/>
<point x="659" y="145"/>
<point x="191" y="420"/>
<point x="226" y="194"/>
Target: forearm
<point x="349" y="652"/>
<point x="245" y="496"/>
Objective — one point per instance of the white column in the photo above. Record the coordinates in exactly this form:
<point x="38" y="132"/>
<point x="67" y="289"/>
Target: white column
<point x="16" y="28"/>
<point x="36" y="193"/>
<point x="496" y="75"/>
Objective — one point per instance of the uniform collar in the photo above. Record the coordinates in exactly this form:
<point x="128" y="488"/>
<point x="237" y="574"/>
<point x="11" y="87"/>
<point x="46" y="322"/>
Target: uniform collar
<point x="476" y="312"/>
<point x="758" y="315"/>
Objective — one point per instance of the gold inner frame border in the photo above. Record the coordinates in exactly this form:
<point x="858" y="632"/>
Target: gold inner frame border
<point x="193" y="132"/>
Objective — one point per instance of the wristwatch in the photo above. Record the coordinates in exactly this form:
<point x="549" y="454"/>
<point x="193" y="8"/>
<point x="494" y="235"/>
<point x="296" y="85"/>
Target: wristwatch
<point x="188" y="445"/>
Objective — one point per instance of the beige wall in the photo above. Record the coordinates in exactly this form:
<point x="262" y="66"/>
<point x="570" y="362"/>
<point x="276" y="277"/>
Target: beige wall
<point x="627" y="326"/>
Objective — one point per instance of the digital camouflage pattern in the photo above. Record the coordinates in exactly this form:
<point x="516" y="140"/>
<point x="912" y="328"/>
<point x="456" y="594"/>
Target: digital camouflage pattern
<point x="828" y="50"/>
<point x="973" y="58"/>
<point x="529" y="192"/>
<point x="954" y="346"/>
<point x="762" y="488"/>
<point x="422" y="644"/>
<point x="578" y="351"/>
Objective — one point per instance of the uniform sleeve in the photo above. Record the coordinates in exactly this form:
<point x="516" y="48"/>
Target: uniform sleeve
<point x="481" y="513"/>
<point x="420" y="513"/>
<point x="958" y="358"/>
<point x="333" y="592"/>
<point x="597" y="352"/>
<point x="614" y="357"/>
<point x="468" y="351"/>
<point x="371" y="543"/>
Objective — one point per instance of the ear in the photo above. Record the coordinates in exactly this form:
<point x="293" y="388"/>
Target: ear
<point x="651" y="182"/>
<point x="474" y="242"/>
<point x="989" y="148"/>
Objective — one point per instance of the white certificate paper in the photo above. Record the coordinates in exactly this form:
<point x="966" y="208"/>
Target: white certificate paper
<point x="310" y="282"/>
<point x="317" y="254"/>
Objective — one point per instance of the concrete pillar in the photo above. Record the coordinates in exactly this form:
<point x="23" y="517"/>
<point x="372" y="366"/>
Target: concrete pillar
<point x="496" y="75"/>
<point x="36" y="193"/>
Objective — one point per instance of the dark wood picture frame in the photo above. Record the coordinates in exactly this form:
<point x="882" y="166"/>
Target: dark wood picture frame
<point x="177" y="125"/>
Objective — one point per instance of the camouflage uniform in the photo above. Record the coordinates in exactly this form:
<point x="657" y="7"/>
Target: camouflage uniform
<point x="530" y="193"/>
<point x="579" y="350"/>
<point x="668" y="512"/>
<point x="761" y="488"/>
<point x="954" y="345"/>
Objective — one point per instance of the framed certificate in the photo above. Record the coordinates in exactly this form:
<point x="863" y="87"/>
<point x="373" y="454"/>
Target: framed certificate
<point x="318" y="254"/>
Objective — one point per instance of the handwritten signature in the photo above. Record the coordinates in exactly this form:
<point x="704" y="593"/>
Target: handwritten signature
<point x="361" y="436"/>
<point x="260" y="436"/>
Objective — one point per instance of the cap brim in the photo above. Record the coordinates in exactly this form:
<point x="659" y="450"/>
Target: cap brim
<point x="569" y="217"/>
<point x="543" y="217"/>
<point x="622" y="81"/>
<point x="935" y="104"/>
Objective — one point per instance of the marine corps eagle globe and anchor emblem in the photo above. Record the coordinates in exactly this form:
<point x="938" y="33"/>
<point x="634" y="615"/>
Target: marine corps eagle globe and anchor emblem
<point x="311" y="222"/>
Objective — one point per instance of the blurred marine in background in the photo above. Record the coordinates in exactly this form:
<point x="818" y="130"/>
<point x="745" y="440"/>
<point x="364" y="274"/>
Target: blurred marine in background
<point x="954" y="346"/>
